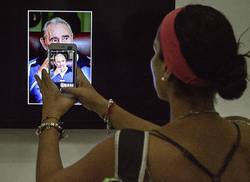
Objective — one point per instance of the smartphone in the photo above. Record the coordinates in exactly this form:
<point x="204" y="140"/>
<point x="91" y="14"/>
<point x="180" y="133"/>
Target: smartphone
<point x="62" y="64"/>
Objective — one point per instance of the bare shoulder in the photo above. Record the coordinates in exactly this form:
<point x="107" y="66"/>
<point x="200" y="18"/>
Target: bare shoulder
<point x="244" y="125"/>
<point x="160" y="166"/>
<point x="243" y="122"/>
<point x="238" y="119"/>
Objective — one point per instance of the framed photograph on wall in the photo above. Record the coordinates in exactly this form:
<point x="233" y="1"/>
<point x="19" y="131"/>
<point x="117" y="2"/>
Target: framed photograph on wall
<point x="116" y="40"/>
<point x="53" y="26"/>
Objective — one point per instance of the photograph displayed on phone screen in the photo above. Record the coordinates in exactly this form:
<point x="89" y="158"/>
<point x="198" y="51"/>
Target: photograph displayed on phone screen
<point x="62" y="66"/>
<point x="57" y="27"/>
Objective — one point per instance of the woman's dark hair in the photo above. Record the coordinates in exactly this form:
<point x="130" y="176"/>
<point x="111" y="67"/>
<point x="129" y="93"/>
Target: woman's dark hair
<point x="208" y="43"/>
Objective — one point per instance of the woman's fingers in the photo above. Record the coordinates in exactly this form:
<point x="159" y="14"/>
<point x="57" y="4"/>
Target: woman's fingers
<point x="81" y="78"/>
<point x="74" y="91"/>
<point x="39" y="81"/>
<point x="47" y="80"/>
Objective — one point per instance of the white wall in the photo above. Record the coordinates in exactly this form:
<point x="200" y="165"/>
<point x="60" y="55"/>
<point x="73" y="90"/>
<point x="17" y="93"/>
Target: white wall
<point x="238" y="12"/>
<point x="18" y="147"/>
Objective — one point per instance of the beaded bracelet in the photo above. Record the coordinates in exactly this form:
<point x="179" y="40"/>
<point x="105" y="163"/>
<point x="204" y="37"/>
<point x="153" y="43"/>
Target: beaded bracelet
<point x="106" y="115"/>
<point x="48" y="125"/>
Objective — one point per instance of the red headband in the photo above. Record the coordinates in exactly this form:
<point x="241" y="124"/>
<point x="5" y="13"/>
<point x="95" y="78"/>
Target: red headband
<point x="174" y="60"/>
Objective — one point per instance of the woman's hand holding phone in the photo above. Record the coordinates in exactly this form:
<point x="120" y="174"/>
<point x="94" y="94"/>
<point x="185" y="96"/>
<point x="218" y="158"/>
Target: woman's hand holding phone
<point x="55" y="104"/>
<point x="87" y="94"/>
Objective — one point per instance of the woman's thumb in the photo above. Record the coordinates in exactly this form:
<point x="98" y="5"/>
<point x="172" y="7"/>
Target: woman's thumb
<point x="73" y="91"/>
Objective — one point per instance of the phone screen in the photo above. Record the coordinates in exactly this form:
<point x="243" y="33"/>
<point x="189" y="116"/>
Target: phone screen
<point x="62" y="67"/>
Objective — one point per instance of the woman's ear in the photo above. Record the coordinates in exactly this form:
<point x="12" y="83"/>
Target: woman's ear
<point x="165" y="75"/>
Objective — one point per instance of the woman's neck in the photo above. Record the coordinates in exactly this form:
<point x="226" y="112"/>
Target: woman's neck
<point x="185" y="107"/>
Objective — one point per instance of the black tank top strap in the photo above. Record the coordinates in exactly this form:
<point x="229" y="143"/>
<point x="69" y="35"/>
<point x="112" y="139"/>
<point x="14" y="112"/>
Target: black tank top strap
<point x="183" y="150"/>
<point x="231" y="152"/>
<point x="214" y="177"/>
